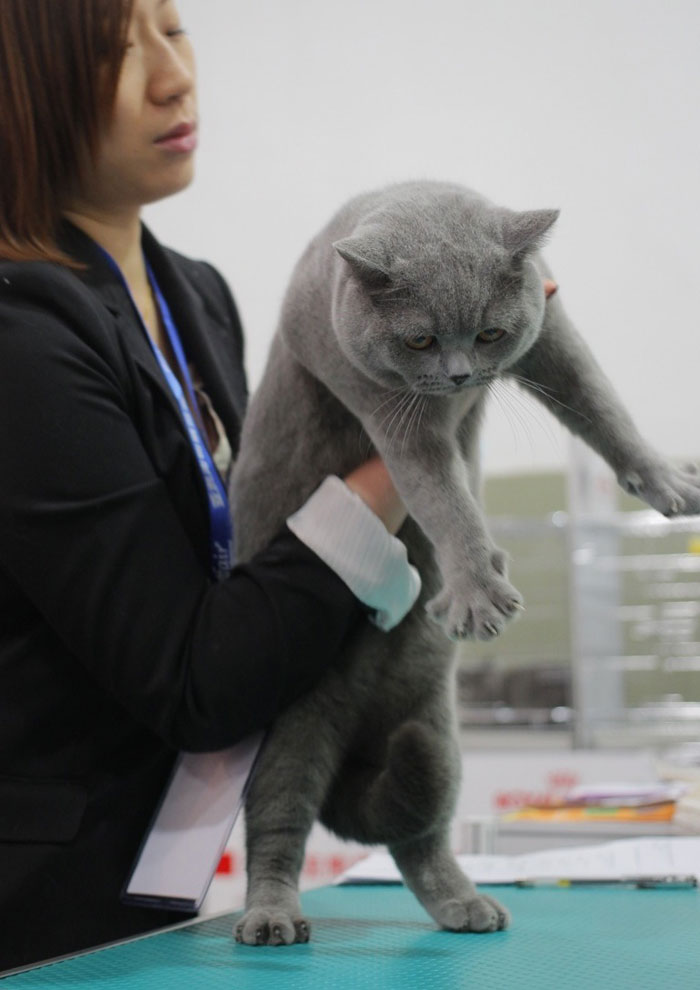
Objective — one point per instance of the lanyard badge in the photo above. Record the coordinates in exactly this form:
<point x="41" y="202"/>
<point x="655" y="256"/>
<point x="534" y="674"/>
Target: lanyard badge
<point x="220" y="525"/>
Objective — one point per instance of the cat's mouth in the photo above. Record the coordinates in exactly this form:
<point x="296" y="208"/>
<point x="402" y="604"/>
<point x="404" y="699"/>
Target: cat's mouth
<point x="452" y="388"/>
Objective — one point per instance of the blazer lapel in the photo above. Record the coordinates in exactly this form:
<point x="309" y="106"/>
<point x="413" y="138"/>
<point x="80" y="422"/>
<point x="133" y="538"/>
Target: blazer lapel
<point x="100" y="276"/>
<point x="202" y="342"/>
<point x="202" y="335"/>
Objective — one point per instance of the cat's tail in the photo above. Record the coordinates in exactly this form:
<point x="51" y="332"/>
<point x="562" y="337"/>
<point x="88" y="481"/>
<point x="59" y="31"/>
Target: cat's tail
<point x="404" y="798"/>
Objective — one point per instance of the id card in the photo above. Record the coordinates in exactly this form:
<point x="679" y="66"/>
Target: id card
<point x="179" y="856"/>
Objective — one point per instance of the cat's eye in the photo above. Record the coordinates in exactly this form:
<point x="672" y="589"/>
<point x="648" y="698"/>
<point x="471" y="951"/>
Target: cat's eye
<point x="421" y="342"/>
<point x="490" y="336"/>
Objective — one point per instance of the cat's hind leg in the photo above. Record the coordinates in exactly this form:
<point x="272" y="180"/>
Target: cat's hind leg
<point x="406" y="795"/>
<point x="433" y="874"/>
<point x="286" y="792"/>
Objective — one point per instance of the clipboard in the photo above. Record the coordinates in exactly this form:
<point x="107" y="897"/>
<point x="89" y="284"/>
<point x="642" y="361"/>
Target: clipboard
<point x="189" y="831"/>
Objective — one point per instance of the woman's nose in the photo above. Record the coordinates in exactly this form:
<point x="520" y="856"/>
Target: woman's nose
<point x="172" y="75"/>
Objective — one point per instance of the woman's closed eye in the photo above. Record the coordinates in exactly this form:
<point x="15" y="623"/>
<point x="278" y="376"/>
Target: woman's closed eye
<point x="171" y="32"/>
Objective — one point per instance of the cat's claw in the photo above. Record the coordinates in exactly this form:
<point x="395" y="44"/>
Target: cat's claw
<point x="670" y="490"/>
<point x="479" y="612"/>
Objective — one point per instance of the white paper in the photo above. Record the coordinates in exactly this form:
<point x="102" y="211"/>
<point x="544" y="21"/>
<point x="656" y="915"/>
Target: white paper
<point x="617" y="860"/>
<point x="192" y="826"/>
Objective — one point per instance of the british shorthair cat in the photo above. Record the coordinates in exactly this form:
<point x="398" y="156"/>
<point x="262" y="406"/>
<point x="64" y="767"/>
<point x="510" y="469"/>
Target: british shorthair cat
<point x="400" y="316"/>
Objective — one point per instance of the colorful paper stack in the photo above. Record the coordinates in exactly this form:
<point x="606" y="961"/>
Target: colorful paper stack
<point x="654" y="802"/>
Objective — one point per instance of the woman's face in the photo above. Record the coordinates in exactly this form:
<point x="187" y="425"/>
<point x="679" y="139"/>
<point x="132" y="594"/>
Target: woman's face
<point x="146" y="150"/>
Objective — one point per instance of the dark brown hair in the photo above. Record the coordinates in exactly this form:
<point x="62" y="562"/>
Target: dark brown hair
<point x="59" y="67"/>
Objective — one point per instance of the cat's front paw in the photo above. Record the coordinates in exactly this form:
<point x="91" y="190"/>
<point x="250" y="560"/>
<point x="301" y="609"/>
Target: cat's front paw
<point x="271" y="926"/>
<point x="671" y="490"/>
<point x="479" y="913"/>
<point x="478" y="605"/>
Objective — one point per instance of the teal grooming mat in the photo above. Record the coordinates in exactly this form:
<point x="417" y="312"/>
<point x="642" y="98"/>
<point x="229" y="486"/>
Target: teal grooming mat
<point x="379" y="936"/>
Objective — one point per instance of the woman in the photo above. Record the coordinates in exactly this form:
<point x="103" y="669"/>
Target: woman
<point x="125" y="632"/>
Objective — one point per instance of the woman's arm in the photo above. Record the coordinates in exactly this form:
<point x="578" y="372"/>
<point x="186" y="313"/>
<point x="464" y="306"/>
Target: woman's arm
<point x="89" y="533"/>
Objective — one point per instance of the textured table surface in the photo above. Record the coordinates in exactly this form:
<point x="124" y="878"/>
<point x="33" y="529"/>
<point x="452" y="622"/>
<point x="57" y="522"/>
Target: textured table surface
<point x="379" y="936"/>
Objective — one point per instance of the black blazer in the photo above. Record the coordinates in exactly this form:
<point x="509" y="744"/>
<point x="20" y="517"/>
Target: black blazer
<point x="116" y="649"/>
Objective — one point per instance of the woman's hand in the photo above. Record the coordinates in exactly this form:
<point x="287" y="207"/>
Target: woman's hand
<point x="372" y="482"/>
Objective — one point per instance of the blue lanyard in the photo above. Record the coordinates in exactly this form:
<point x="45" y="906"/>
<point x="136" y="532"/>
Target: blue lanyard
<point x="220" y="526"/>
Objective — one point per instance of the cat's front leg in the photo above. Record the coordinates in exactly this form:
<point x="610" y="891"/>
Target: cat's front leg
<point x="476" y="599"/>
<point x="563" y="374"/>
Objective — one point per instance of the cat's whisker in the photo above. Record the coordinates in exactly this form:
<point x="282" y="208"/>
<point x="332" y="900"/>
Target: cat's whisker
<point x="390" y="395"/>
<point x="394" y="424"/>
<point x="546" y="390"/>
<point x="407" y="419"/>
<point x="529" y="381"/>
<point x="394" y="395"/>
<point x="514" y="407"/>
<point x="422" y="410"/>
<point x="524" y="414"/>
<point x="387" y="420"/>
<point x="397" y="398"/>
<point x="415" y="408"/>
<point x="422" y="403"/>
<point x="547" y="394"/>
<point x="404" y="424"/>
<point x="520" y="402"/>
<point x="512" y="414"/>
<point x="506" y="407"/>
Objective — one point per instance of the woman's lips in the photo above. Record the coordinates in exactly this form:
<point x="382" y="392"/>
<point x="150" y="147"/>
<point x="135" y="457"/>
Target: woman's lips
<point x="182" y="138"/>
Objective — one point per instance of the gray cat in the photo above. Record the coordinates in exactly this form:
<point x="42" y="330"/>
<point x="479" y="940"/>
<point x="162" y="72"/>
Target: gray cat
<point x="400" y="315"/>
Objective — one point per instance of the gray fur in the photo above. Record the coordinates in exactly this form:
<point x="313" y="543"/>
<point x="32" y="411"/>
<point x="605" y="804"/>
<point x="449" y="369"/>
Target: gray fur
<point x="373" y="750"/>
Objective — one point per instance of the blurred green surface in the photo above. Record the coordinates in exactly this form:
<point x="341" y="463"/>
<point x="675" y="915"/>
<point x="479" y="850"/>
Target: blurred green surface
<point x="659" y="591"/>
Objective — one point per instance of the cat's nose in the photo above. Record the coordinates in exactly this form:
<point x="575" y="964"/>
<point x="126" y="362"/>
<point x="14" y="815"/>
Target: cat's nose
<point x="459" y="379"/>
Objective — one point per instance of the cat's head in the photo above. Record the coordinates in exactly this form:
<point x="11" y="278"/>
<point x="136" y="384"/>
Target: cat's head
<point x="437" y="290"/>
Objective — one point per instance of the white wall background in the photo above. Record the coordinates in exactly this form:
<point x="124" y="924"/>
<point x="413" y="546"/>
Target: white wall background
<point x="591" y="107"/>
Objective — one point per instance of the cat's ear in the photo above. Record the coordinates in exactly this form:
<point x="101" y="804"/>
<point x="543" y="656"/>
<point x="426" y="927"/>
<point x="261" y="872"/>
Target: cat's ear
<point x="367" y="263"/>
<point x="525" y="232"/>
